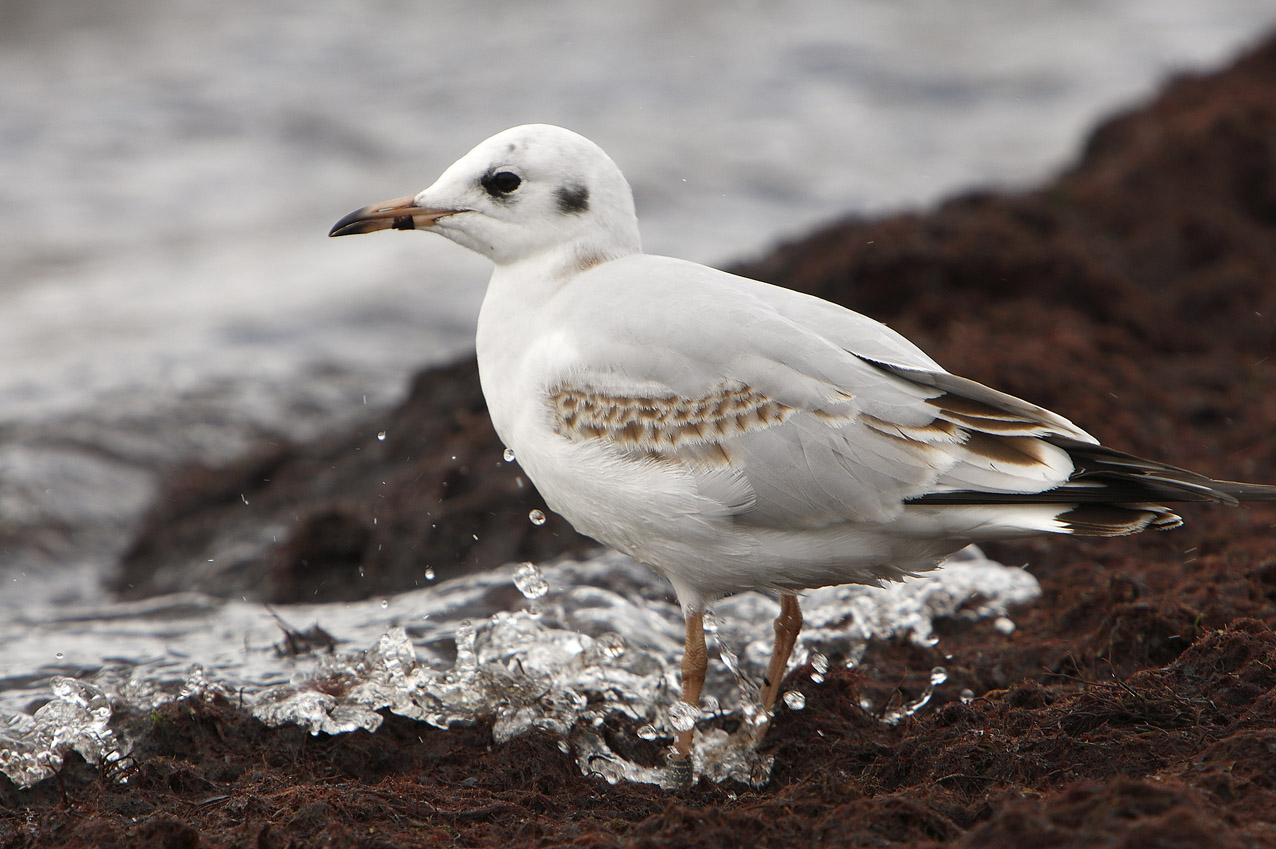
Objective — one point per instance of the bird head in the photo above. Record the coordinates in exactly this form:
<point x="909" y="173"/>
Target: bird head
<point x="521" y="193"/>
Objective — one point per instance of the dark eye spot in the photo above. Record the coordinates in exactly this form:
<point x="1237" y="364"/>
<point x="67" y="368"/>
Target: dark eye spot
<point x="573" y="199"/>
<point x="502" y="183"/>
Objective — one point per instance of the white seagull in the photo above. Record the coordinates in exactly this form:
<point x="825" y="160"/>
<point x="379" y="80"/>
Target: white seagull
<point x="735" y="435"/>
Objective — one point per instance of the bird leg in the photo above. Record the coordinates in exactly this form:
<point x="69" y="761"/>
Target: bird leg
<point x="695" y="660"/>
<point x="787" y="626"/>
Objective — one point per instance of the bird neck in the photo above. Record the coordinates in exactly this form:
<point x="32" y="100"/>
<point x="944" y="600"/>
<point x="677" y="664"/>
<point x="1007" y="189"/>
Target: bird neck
<point x="518" y="290"/>
<point x="542" y="273"/>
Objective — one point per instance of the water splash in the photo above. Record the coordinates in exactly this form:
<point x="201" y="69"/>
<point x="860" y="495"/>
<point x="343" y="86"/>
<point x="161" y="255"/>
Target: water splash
<point x="598" y="655"/>
<point x="683" y="716"/>
<point x="938" y="676"/>
<point x="77" y="719"/>
<point x="529" y="580"/>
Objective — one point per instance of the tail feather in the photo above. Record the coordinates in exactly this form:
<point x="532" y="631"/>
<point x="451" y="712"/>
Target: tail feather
<point x="1112" y="520"/>
<point x="1247" y="491"/>
<point x="1111" y="493"/>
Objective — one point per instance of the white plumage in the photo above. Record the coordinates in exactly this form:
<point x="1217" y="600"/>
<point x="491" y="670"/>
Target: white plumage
<point x="732" y="434"/>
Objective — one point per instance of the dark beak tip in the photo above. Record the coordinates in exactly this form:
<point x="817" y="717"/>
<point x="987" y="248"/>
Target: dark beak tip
<point x="348" y="225"/>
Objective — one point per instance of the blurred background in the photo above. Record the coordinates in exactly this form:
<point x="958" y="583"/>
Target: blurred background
<point x="169" y="170"/>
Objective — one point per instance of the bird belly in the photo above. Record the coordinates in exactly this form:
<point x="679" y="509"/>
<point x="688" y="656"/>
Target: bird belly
<point x="651" y="510"/>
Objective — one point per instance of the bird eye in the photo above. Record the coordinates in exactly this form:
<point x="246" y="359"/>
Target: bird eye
<point x="502" y="183"/>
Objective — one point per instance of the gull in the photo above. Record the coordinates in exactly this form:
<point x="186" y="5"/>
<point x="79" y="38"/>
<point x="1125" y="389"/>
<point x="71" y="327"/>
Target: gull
<point x="735" y="435"/>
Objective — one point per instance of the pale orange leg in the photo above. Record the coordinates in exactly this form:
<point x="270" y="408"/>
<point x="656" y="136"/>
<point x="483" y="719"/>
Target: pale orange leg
<point x="787" y="627"/>
<point x="695" y="660"/>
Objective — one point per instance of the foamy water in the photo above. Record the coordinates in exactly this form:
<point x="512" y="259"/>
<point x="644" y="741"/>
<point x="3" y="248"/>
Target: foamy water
<point x="570" y="648"/>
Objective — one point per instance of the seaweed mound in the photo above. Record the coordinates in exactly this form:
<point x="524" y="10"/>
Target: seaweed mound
<point x="1135" y="706"/>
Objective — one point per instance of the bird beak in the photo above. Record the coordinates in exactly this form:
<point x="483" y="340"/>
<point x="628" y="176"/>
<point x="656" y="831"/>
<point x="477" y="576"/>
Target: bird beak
<point x="399" y="214"/>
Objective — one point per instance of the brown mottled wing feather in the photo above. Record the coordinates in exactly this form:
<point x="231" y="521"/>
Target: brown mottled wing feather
<point x="915" y="437"/>
<point x="811" y="467"/>
<point x="664" y="423"/>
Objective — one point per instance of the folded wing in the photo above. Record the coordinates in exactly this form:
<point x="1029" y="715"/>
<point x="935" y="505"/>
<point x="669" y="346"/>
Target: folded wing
<point x="812" y="416"/>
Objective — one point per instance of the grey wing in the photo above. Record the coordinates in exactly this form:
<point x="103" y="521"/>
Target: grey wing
<point x="903" y="436"/>
<point x="792" y="412"/>
<point x="884" y="440"/>
<point x="897" y="438"/>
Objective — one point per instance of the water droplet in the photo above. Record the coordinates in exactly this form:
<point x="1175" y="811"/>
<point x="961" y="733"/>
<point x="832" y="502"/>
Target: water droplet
<point x="529" y="580"/>
<point x="537" y="517"/>
<point x="607" y="769"/>
<point x="648" y="732"/>
<point x="1004" y="625"/>
<point x="938" y="676"/>
<point x="683" y="716"/>
<point x="59" y="655"/>
<point x="819" y="666"/>
<point x="795" y="700"/>
<point x="967" y="696"/>
<point x="611" y="644"/>
<point x="429" y="573"/>
<point x="381" y="436"/>
<point x="466" y="659"/>
<point x="509" y="455"/>
<point x="385" y="604"/>
<point x="729" y="658"/>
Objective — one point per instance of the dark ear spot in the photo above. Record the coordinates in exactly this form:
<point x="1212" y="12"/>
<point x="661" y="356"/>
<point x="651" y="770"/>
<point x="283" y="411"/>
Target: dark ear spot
<point x="573" y="199"/>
